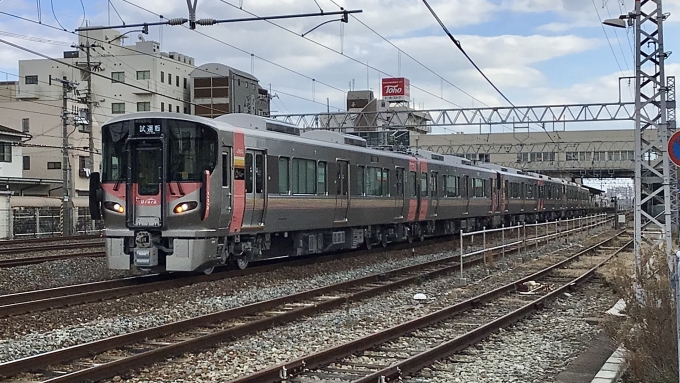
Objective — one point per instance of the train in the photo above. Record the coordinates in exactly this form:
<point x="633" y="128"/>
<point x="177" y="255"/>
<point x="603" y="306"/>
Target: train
<point x="180" y="192"/>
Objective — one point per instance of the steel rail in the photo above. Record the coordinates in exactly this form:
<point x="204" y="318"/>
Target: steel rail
<point x="5" y="263"/>
<point x="63" y="246"/>
<point x="22" y="241"/>
<point x="74" y="352"/>
<point x="280" y="372"/>
<point x="32" y="301"/>
<point x="136" y="361"/>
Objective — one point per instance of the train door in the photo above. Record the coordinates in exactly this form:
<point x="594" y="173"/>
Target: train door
<point x="434" y="193"/>
<point x="225" y="192"/>
<point x="342" y="191"/>
<point x="399" y="195"/>
<point x="255" y="186"/>
<point x="465" y="192"/>
<point x="145" y="200"/>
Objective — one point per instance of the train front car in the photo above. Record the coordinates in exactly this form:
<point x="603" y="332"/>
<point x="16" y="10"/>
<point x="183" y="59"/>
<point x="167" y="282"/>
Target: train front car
<point x="154" y="193"/>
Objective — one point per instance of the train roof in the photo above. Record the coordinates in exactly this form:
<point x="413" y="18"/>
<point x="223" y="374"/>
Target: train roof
<point x="257" y="126"/>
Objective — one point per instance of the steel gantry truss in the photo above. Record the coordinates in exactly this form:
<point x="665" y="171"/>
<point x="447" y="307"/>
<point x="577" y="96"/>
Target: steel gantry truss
<point x="404" y="119"/>
<point x="652" y="167"/>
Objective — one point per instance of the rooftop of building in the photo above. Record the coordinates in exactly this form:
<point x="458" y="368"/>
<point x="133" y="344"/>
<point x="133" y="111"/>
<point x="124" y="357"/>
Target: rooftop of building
<point x="212" y="69"/>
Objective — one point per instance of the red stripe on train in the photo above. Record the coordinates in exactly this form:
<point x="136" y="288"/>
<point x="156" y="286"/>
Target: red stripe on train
<point x="239" y="185"/>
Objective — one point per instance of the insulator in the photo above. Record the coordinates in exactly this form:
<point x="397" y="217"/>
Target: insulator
<point x="177" y="21"/>
<point x="206" y="22"/>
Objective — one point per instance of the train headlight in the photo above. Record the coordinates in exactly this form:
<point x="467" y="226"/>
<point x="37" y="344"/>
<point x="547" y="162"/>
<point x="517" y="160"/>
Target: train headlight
<point x="185" y="206"/>
<point x="115" y="206"/>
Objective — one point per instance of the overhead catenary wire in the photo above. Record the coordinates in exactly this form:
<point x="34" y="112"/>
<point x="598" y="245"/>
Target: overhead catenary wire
<point x="611" y="47"/>
<point x="167" y="59"/>
<point x="412" y="58"/>
<point x="358" y="61"/>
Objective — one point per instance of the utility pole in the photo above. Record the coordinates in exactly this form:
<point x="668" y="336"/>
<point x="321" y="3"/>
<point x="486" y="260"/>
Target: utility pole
<point x="67" y="196"/>
<point x="89" y="67"/>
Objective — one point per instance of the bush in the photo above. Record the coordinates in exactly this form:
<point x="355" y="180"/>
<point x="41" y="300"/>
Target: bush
<point x="648" y="333"/>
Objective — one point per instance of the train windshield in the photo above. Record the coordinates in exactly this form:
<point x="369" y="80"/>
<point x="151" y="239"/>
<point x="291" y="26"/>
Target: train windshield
<point x="114" y="155"/>
<point x="191" y="149"/>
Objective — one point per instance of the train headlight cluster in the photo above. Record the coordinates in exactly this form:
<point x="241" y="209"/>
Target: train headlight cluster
<point x="185" y="206"/>
<point x="118" y="208"/>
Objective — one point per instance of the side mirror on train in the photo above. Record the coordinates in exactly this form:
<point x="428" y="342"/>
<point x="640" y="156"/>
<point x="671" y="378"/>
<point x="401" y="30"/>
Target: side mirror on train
<point x="95" y="196"/>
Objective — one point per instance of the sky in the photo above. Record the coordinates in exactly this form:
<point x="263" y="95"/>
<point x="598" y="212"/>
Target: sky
<point x="536" y="52"/>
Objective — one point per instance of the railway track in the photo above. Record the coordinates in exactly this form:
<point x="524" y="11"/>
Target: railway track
<point x="392" y="354"/>
<point x="44" y="240"/>
<point x="179" y="337"/>
<point x="40" y="300"/>
<point x="4" y="263"/>
<point x="45" y="247"/>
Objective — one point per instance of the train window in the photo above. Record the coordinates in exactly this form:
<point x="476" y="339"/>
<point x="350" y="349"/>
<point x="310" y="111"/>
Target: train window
<point x="451" y="186"/>
<point x="373" y="181"/>
<point x="321" y="178"/>
<point x="423" y="184"/>
<point x="249" y="172"/>
<point x="413" y="184"/>
<point x="400" y="182"/>
<point x="259" y="172"/>
<point x="385" y="182"/>
<point x="192" y="149"/>
<point x="284" y="181"/>
<point x="478" y="187"/>
<point x="304" y="176"/>
<point x="434" y="177"/>
<point x="361" y="186"/>
<point x="226" y="170"/>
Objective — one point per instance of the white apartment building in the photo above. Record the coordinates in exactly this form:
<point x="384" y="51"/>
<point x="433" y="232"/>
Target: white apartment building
<point x="129" y="78"/>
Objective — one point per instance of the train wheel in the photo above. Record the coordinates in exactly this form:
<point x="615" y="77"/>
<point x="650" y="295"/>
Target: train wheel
<point x="383" y="242"/>
<point x="409" y="238"/>
<point x="209" y="270"/>
<point x="422" y="238"/>
<point x="368" y="243"/>
<point x="241" y="262"/>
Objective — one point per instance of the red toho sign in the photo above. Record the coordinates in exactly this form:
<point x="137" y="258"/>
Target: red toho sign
<point x="396" y="89"/>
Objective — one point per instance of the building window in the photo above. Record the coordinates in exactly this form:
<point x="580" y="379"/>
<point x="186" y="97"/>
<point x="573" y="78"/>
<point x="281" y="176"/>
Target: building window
<point x="170" y="108"/>
<point x="143" y="75"/>
<point x="186" y="110"/>
<point x="239" y="108"/>
<point x="117" y="76"/>
<point x="169" y="79"/>
<point x="239" y="82"/>
<point x="118" y="108"/>
<point x="27" y="163"/>
<point x="177" y="81"/>
<point x="162" y="76"/>
<point x="54" y="165"/>
<point x="144" y="106"/>
<point x="177" y="108"/>
<point x="5" y="152"/>
<point x="162" y="107"/>
<point x="25" y="127"/>
<point x="32" y="79"/>
<point x="185" y="83"/>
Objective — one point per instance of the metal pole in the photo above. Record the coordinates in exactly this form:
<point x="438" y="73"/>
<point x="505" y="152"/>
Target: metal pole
<point x="524" y="229"/>
<point x="536" y="227"/>
<point x="66" y="179"/>
<point x="461" y="253"/>
<point x="503" y="239"/>
<point x="90" y="133"/>
<point x="484" y="244"/>
<point x="519" y="239"/>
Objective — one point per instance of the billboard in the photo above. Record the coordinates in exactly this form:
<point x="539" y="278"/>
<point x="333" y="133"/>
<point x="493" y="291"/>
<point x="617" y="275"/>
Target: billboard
<point x="396" y="89"/>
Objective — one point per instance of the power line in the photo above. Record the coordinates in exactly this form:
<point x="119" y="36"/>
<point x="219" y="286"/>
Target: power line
<point x="460" y="47"/>
<point x="165" y="59"/>
<point x="618" y="41"/>
<point x="607" y="36"/>
<point x="341" y="54"/>
<point x="412" y="58"/>
<point x="55" y="15"/>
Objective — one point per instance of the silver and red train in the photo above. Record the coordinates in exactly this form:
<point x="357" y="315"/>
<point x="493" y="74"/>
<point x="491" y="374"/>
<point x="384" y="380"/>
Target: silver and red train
<point x="184" y="193"/>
